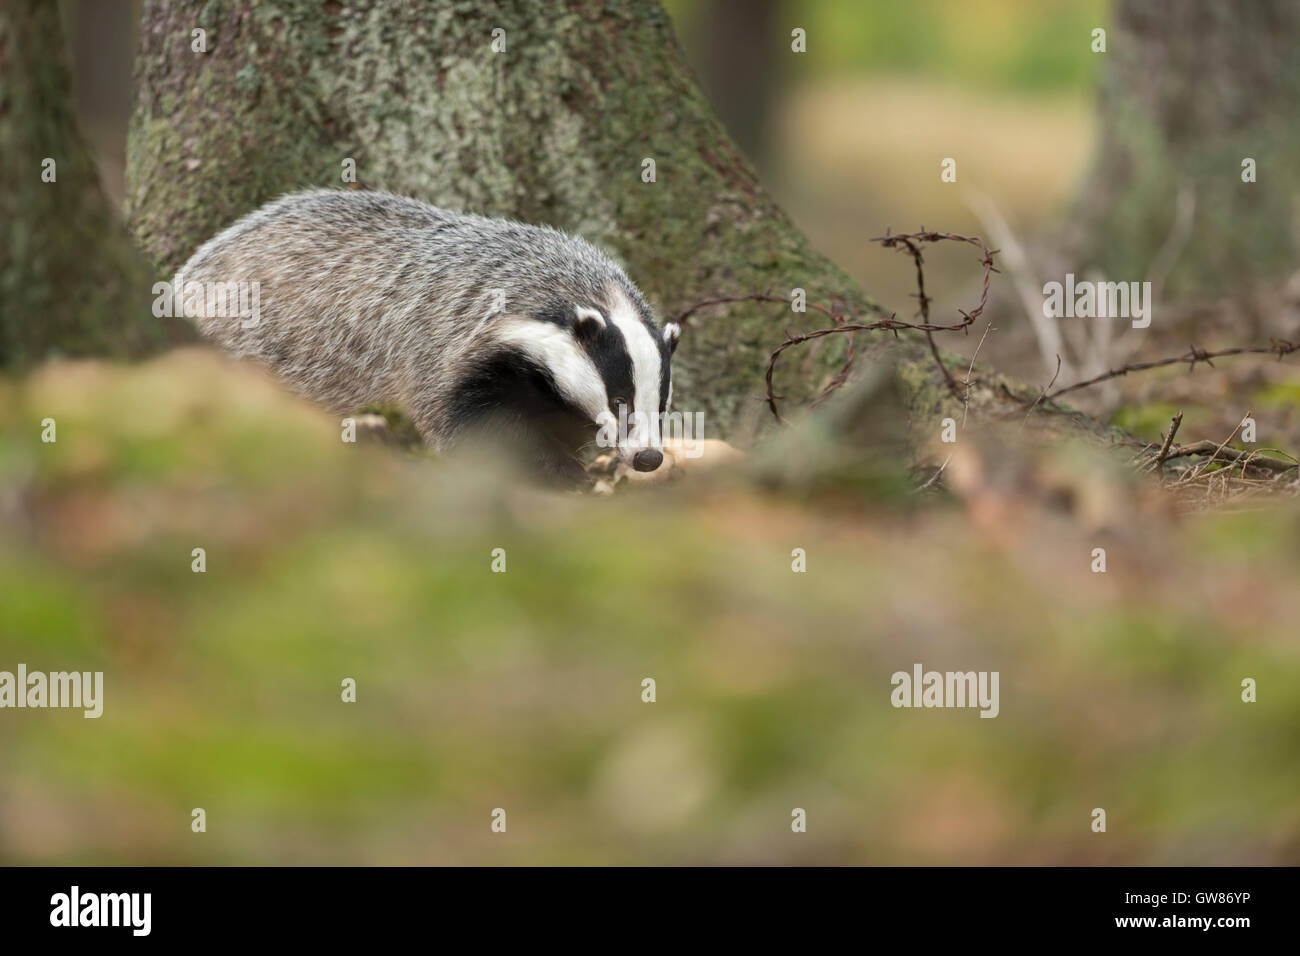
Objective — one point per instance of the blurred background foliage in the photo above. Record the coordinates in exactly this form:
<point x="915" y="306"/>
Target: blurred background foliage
<point x="849" y="136"/>
<point x="999" y="44"/>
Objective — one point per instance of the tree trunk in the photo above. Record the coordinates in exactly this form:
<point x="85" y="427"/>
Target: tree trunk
<point x="70" y="281"/>
<point x="1191" y="89"/>
<point x="742" y="69"/>
<point x="557" y="129"/>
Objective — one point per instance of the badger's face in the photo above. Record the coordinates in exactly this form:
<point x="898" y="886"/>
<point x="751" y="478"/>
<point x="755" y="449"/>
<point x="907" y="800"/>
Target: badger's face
<point x="632" y="385"/>
<point x="611" y="365"/>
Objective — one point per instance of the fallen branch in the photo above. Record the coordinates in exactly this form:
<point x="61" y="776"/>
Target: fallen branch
<point x="1217" y="452"/>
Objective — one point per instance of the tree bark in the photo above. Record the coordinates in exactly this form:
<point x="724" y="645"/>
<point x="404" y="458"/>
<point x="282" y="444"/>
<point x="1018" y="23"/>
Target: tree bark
<point x="556" y="129"/>
<point x="71" y="283"/>
<point x="1190" y="89"/>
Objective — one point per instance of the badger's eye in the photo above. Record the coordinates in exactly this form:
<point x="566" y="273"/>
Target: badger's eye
<point x="618" y="402"/>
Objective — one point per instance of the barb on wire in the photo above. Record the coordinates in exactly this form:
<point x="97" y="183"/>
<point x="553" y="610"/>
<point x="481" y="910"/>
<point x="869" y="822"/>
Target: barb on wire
<point x="845" y="322"/>
<point x="911" y="243"/>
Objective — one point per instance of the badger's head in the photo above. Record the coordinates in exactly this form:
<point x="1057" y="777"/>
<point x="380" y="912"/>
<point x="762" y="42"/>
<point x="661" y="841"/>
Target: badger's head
<point x="609" y="364"/>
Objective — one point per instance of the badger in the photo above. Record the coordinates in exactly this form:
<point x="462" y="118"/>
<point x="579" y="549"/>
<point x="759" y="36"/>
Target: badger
<point x="469" y="324"/>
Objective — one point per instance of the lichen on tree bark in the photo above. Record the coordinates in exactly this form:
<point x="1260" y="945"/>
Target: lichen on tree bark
<point x="554" y="129"/>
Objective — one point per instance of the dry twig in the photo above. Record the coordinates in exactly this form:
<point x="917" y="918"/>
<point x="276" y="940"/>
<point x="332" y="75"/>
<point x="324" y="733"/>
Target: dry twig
<point x="1169" y="441"/>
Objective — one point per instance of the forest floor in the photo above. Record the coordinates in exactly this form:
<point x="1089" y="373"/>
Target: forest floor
<point x="1120" y="689"/>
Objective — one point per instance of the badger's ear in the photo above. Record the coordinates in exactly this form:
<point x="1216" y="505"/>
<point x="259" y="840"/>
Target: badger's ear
<point x="587" y="323"/>
<point x="672" y="332"/>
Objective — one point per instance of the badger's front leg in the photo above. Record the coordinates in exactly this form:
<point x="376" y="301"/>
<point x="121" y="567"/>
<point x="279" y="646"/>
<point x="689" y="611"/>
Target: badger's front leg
<point x="547" y="451"/>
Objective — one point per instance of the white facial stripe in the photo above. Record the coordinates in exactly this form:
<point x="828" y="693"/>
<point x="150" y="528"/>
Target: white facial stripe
<point x="554" y="348"/>
<point x="643" y="430"/>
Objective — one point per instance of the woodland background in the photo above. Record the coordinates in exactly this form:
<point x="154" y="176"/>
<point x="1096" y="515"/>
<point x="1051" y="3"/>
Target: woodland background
<point x="523" y="690"/>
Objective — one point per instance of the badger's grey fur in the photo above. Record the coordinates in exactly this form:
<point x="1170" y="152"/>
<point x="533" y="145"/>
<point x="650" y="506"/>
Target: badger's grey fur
<point x="464" y="321"/>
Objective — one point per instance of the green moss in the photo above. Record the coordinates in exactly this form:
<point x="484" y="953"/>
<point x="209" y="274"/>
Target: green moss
<point x="248" y="80"/>
<point x="401" y="430"/>
<point x="1148" y="421"/>
<point x="209" y="16"/>
<point x="328" y="560"/>
<point x="553" y="130"/>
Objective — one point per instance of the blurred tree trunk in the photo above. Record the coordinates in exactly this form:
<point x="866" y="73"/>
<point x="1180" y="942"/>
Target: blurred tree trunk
<point x="556" y="129"/>
<point x="70" y="281"/>
<point x="1190" y="89"/>
<point x="743" y="60"/>
<point x="102" y="43"/>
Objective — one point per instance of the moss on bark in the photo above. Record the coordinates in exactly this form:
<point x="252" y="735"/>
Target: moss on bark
<point x="70" y="281"/>
<point x="553" y="129"/>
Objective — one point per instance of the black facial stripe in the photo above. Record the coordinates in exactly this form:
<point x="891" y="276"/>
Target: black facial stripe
<point x="665" y="365"/>
<point x="558" y="313"/>
<point x="608" y="352"/>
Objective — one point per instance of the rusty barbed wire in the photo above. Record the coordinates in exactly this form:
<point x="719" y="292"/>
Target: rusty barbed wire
<point x="912" y="243"/>
<point x="1194" y="355"/>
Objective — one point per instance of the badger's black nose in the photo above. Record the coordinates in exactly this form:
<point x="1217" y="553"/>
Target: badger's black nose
<point x="647" y="459"/>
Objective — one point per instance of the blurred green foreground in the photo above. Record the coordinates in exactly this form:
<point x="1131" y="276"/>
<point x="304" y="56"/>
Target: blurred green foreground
<point x="522" y="691"/>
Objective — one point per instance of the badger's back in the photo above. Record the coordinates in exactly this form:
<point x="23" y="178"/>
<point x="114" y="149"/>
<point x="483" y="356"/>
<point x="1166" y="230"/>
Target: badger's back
<point x="366" y="296"/>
